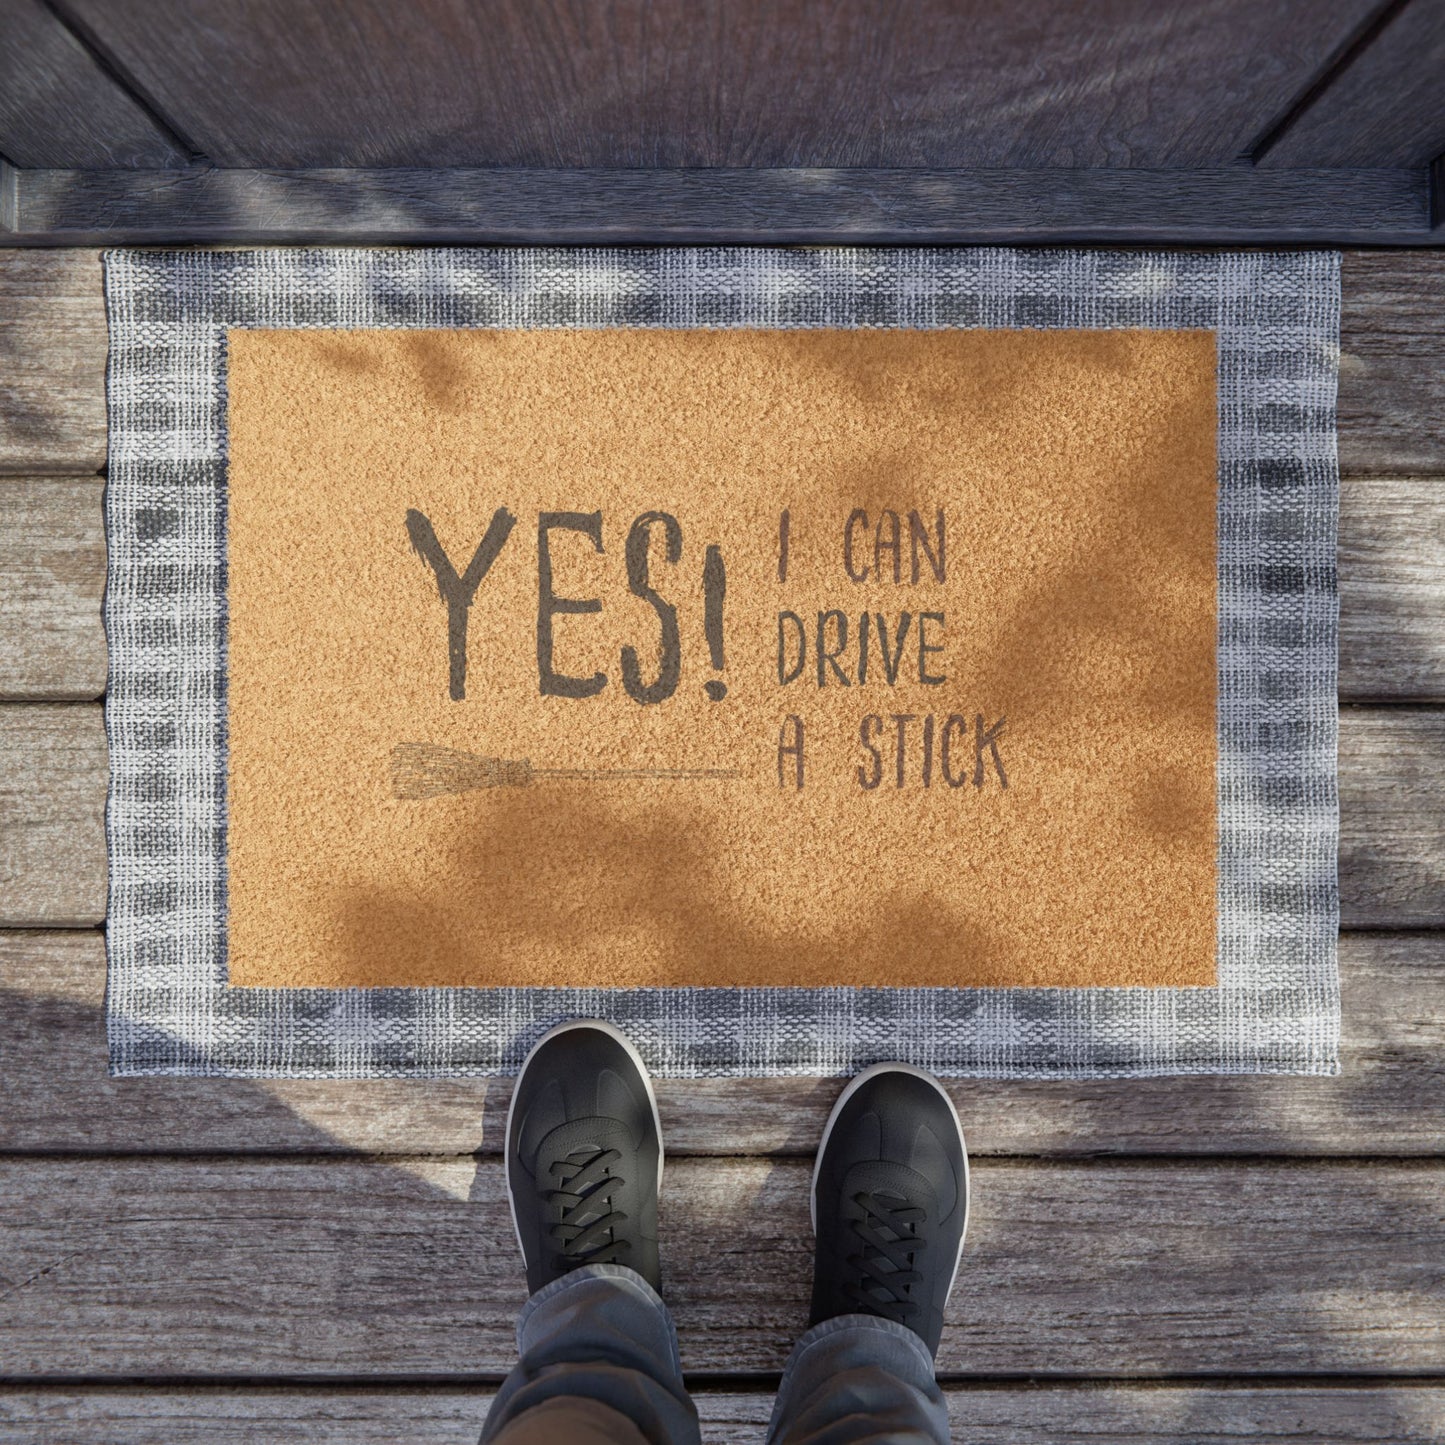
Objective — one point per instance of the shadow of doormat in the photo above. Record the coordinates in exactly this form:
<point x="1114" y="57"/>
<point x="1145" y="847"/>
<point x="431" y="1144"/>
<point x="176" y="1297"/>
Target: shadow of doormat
<point x="800" y="657"/>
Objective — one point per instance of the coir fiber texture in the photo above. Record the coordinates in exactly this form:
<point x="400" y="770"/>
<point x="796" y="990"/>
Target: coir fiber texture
<point x="799" y="657"/>
<point x="951" y="721"/>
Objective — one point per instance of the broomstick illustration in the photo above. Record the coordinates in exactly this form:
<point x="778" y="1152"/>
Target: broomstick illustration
<point x="425" y="770"/>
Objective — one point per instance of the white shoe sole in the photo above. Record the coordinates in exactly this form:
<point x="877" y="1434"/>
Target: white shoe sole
<point x="853" y="1087"/>
<point x="621" y="1038"/>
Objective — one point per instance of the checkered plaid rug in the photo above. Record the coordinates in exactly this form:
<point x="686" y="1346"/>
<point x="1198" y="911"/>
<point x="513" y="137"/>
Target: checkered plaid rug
<point x="1275" y="1008"/>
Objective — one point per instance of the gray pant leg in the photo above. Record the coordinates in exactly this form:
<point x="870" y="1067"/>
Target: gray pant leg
<point x="597" y="1362"/>
<point x="858" y="1380"/>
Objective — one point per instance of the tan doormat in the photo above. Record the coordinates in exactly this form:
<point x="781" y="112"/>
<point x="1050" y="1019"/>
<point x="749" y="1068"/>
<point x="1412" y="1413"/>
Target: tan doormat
<point x="629" y="658"/>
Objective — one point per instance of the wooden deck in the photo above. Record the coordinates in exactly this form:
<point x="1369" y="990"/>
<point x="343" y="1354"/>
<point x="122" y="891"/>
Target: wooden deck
<point x="1151" y="1261"/>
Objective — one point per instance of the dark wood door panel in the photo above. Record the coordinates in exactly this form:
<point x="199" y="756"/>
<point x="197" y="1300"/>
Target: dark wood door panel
<point x="59" y="108"/>
<point x="1384" y="107"/>
<point x="1035" y="83"/>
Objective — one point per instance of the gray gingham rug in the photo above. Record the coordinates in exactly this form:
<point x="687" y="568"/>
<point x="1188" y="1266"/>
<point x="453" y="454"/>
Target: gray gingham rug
<point x="1276" y="1007"/>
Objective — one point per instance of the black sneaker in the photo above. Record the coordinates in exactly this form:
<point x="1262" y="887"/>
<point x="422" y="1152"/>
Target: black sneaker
<point x="890" y="1201"/>
<point x="584" y="1155"/>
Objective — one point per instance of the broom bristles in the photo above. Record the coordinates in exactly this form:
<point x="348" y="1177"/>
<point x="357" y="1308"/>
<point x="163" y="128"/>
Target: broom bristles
<point x="426" y="770"/>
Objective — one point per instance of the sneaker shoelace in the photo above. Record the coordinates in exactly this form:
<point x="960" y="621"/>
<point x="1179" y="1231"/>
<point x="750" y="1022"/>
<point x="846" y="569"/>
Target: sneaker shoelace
<point x="889" y="1228"/>
<point x="584" y="1230"/>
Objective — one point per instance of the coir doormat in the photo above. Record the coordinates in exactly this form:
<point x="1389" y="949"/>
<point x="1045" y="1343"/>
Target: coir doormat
<point x="800" y="657"/>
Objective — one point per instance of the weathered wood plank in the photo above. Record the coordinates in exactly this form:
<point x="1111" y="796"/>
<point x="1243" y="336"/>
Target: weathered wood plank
<point x="52" y="362"/>
<point x="53" y="770"/>
<point x="52" y="575"/>
<point x="53" y="345"/>
<point x="1053" y="1414"/>
<point x="1392" y="589"/>
<point x="1392" y="853"/>
<point x="1392" y="362"/>
<point x="1389" y="1099"/>
<point x="240" y="1269"/>
<point x="52" y="798"/>
<point x="59" y="108"/>
<point x="1383" y="108"/>
<point x="1227" y="205"/>
<point x="294" y="83"/>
